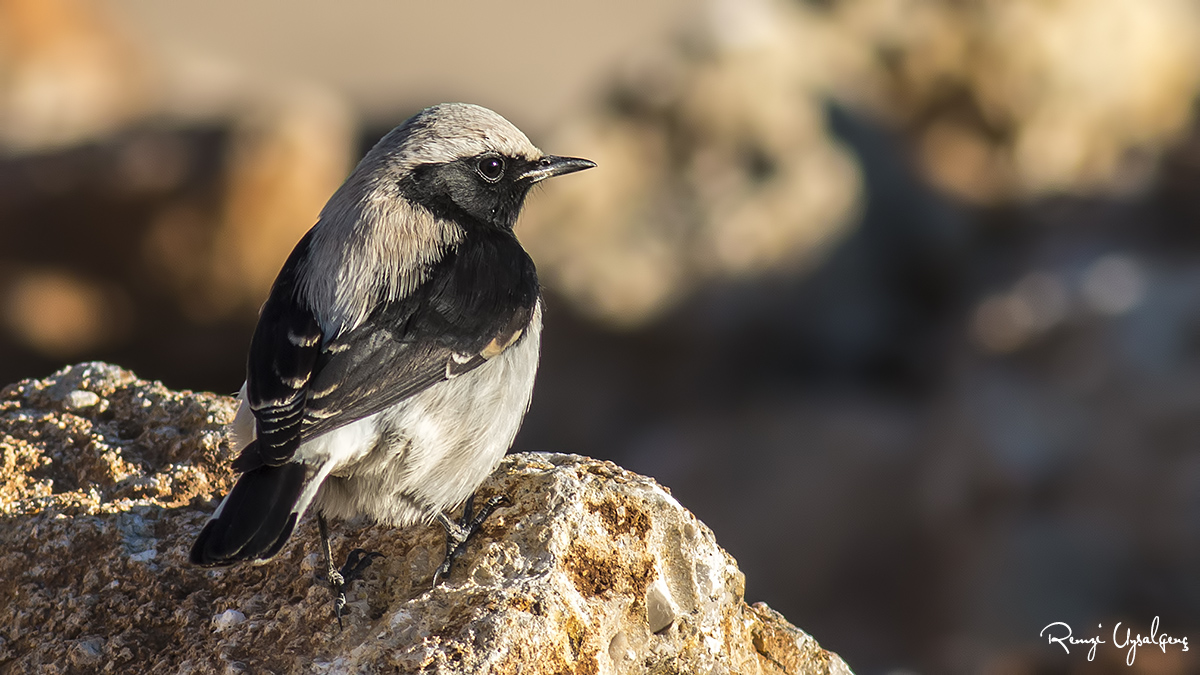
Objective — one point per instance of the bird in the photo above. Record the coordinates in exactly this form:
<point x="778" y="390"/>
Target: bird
<point x="394" y="358"/>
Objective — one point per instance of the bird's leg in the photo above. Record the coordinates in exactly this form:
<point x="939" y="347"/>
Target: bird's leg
<point x="358" y="561"/>
<point x="457" y="533"/>
<point x="337" y="582"/>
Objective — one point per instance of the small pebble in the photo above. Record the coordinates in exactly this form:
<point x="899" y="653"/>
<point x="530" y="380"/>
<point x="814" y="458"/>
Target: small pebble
<point x="86" y="653"/>
<point x="228" y="619"/>
<point x="79" y="399"/>
<point x="660" y="608"/>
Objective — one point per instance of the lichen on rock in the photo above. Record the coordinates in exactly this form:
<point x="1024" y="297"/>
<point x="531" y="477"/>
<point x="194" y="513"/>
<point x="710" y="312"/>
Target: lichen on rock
<point x="106" y="479"/>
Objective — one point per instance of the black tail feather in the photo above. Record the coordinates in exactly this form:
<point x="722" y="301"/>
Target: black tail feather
<point x="281" y="539"/>
<point x="256" y="519"/>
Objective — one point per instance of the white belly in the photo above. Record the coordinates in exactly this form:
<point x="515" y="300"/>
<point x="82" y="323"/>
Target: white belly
<point x="429" y="452"/>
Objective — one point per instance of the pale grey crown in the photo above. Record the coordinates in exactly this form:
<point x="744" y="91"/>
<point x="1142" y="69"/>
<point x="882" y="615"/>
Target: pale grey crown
<point x="447" y="132"/>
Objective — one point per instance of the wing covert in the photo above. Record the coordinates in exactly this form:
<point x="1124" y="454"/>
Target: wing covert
<point x="301" y="383"/>
<point x="470" y="309"/>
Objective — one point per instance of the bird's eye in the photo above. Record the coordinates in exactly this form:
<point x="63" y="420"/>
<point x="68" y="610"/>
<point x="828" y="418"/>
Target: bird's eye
<point x="490" y="168"/>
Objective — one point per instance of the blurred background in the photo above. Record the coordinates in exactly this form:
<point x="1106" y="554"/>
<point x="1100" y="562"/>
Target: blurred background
<point x="901" y="297"/>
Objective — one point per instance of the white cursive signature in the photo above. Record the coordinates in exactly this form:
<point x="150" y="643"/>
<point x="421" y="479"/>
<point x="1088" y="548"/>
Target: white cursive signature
<point x="1068" y="638"/>
<point x="1061" y="633"/>
<point x="1154" y="639"/>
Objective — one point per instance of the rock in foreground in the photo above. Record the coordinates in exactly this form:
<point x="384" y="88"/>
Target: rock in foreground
<point x="106" y="479"/>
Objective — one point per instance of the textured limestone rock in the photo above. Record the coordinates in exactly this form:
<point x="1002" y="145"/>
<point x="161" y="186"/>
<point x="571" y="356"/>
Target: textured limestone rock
<point x="105" y="480"/>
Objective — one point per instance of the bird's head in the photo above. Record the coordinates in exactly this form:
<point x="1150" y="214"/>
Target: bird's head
<point x="466" y="164"/>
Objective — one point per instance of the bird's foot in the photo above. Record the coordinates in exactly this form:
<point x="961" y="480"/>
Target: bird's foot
<point x="457" y="533"/>
<point x="356" y="563"/>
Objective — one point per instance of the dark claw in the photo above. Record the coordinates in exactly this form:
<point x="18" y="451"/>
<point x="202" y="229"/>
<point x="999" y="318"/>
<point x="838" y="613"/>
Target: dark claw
<point x="458" y="533"/>
<point x="491" y="505"/>
<point x="356" y="563"/>
<point x="339" y="603"/>
<point x="443" y="570"/>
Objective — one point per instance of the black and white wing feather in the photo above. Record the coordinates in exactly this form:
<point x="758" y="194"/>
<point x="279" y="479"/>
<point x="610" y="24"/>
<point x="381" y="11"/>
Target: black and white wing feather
<point x="301" y="384"/>
<point x="283" y="357"/>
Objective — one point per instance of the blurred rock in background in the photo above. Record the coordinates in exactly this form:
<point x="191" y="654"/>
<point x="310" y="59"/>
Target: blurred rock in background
<point x="148" y="203"/>
<point x="902" y="297"/>
<point x="68" y="74"/>
<point x="719" y="166"/>
<point x="287" y="154"/>
<point x="723" y="166"/>
<point x="1012" y="99"/>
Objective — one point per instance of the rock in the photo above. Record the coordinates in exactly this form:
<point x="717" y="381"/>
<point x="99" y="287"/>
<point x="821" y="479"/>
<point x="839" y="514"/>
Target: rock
<point x="86" y="653"/>
<point x="228" y="619"/>
<point x="289" y="152"/>
<point x="62" y="313"/>
<point x="1023" y="98"/>
<point x="68" y="74"/>
<point x="79" y="399"/>
<point x="716" y="164"/>
<point x="591" y="569"/>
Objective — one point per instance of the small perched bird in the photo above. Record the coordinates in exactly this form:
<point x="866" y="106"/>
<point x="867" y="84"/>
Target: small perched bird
<point x="394" y="359"/>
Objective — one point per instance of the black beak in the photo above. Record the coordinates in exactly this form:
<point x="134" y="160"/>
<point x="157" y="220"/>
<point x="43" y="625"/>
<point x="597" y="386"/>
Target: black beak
<point x="553" y="165"/>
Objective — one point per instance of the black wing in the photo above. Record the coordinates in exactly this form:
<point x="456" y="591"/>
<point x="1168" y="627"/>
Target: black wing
<point x="283" y="355"/>
<point x="474" y="303"/>
<point x="379" y="364"/>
